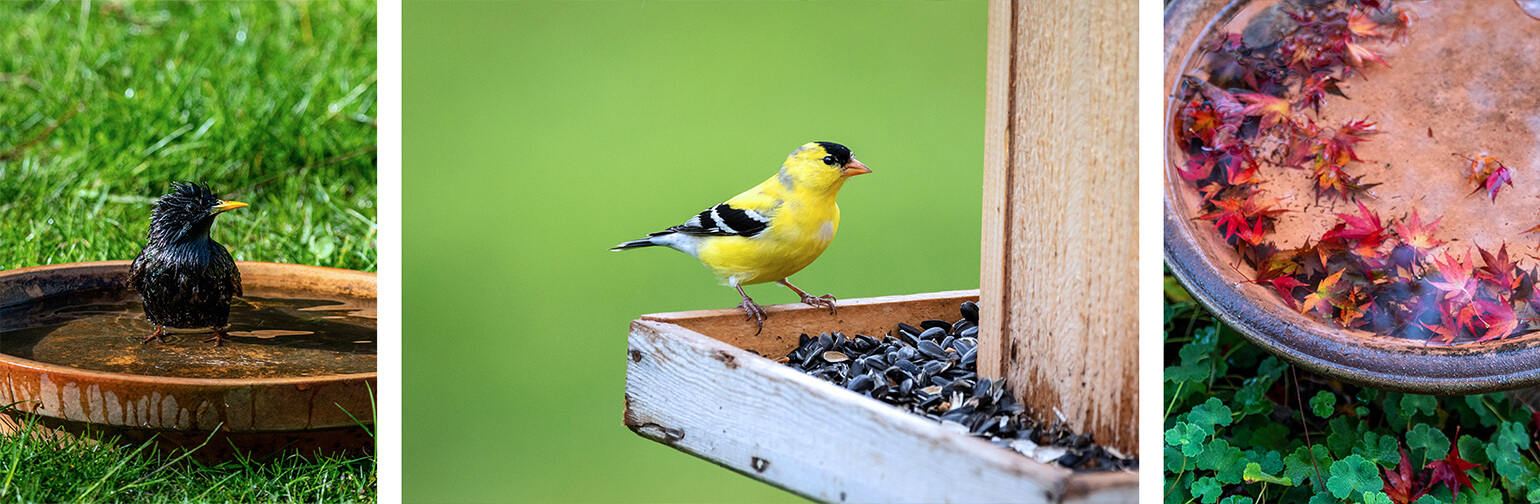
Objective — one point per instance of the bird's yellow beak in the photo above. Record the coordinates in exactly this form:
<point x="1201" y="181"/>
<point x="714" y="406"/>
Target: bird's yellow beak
<point x="226" y="206"/>
<point x="856" y="168"/>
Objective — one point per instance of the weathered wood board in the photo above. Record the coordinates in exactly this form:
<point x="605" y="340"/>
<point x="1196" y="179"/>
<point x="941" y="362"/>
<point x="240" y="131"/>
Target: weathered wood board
<point x="727" y="404"/>
<point x="1059" y="272"/>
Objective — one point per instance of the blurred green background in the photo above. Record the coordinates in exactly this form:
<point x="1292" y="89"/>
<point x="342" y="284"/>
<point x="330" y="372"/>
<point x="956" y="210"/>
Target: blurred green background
<point x="539" y="134"/>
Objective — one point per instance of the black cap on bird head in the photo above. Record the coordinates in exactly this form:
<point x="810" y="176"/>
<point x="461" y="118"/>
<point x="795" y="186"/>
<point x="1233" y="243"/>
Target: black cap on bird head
<point x="840" y="153"/>
<point x="186" y="213"/>
<point x="840" y="156"/>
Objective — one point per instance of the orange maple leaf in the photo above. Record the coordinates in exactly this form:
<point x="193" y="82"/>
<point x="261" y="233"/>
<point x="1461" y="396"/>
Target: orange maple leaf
<point x="1272" y="109"/>
<point x="1417" y="235"/>
<point x="1324" y="291"/>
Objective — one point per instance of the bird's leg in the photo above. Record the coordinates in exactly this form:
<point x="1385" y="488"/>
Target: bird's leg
<point x="159" y="330"/>
<point x="824" y="301"/>
<point x="219" y="336"/>
<point x="755" y="311"/>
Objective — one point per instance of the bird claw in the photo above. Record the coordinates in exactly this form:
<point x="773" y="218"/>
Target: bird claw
<point x="824" y="301"/>
<point x="755" y="312"/>
<point x="218" y="338"/>
<point x="155" y="336"/>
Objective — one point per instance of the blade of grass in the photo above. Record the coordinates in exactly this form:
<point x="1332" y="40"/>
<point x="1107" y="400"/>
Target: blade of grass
<point x="89" y="491"/>
<point x="184" y="454"/>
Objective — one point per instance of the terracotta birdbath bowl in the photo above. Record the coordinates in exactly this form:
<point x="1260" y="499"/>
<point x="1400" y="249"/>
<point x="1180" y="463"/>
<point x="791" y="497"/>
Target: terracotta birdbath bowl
<point x="298" y="371"/>
<point x="1463" y="83"/>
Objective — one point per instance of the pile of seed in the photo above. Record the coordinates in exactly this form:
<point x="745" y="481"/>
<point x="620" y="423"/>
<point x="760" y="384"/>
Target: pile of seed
<point x="932" y="371"/>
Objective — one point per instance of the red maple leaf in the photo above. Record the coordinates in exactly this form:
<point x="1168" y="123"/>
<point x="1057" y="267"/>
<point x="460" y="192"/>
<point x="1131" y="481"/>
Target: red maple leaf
<point x="1495" y="181"/>
<point x="1455" y="279"/>
<point x="1451" y="469"/>
<point x="1243" y="217"/>
<point x="1229" y="112"/>
<point x="1486" y="172"/>
<point x="1498" y="269"/>
<point x="1302" y="146"/>
<point x="1498" y="318"/>
<point x="1356" y="55"/>
<point x="1199" y="166"/>
<point x="1400" y="485"/>
<point x="1285" y="287"/>
<point x="1340" y="146"/>
<point x="1365" y="225"/>
<point x="1239" y="163"/>
<point x="1314" y="91"/>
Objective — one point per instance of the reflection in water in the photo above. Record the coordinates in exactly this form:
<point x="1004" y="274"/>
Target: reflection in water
<point x="270" y="337"/>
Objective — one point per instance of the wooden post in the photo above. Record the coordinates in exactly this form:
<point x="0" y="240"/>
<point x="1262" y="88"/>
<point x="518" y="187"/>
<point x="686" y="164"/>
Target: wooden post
<point x="1059" y="271"/>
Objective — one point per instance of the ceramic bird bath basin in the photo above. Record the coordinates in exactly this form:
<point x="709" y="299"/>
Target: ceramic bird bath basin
<point x="297" y="372"/>
<point x="1434" y="98"/>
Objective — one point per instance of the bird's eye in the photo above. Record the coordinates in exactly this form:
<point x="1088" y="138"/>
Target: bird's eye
<point x="828" y="160"/>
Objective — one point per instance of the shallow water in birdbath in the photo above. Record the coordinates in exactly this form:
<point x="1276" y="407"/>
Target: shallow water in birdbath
<point x="269" y="337"/>
<point x="1463" y="83"/>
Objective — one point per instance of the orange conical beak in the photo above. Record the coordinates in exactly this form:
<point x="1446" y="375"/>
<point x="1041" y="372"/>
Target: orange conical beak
<point x="856" y="168"/>
<point x="225" y="206"/>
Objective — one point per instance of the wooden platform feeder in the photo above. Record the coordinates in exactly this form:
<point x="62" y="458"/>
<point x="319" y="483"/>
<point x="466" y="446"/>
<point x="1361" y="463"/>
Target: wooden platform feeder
<point x="1058" y="300"/>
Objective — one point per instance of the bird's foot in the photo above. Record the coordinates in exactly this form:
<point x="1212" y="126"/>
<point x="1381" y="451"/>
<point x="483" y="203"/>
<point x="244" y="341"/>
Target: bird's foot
<point x="755" y="312"/>
<point x="155" y="336"/>
<point x="824" y="301"/>
<point x="219" y="337"/>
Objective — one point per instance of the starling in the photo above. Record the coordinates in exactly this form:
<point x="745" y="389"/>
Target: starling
<point x="185" y="277"/>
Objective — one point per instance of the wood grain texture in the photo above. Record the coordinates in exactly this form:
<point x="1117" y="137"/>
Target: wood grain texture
<point x="993" y="268"/>
<point x="875" y="317"/>
<point x="1059" y="284"/>
<point x="773" y="423"/>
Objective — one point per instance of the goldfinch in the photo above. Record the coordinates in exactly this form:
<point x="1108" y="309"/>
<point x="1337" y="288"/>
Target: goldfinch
<point x="772" y="231"/>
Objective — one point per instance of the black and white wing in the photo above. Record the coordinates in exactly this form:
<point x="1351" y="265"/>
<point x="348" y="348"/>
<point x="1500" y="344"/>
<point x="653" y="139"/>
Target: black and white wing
<point x="722" y="220"/>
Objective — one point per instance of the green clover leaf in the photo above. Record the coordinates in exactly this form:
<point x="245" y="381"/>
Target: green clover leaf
<point x="1298" y="466"/>
<point x="1352" y="475"/>
<point x="1189" y="437"/>
<point x="1377" y="498"/>
<point x="1427" y="442"/>
<point x="1212" y="412"/>
<point x="1207" y="490"/>
<point x="1323" y="403"/>
<point x="1412" y="404"/>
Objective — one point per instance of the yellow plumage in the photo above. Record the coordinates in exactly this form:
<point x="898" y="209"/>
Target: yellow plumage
<point x="773" y="230"/>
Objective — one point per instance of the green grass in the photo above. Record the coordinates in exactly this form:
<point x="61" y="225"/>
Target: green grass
<point x="36" y="466"/>
<point x="103" y="105"/>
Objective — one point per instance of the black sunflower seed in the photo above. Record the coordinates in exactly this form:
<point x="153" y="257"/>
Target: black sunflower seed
<point x="932" y="350"/>
<point x="860" y="383"/>
<point x="970" y="311"/>
<point x="936" y="324"/>
<point x="931" y="371"/>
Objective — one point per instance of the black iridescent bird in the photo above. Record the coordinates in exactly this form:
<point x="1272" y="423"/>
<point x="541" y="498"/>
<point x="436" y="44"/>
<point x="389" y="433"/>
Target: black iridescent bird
<point x="185" y="277"/>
